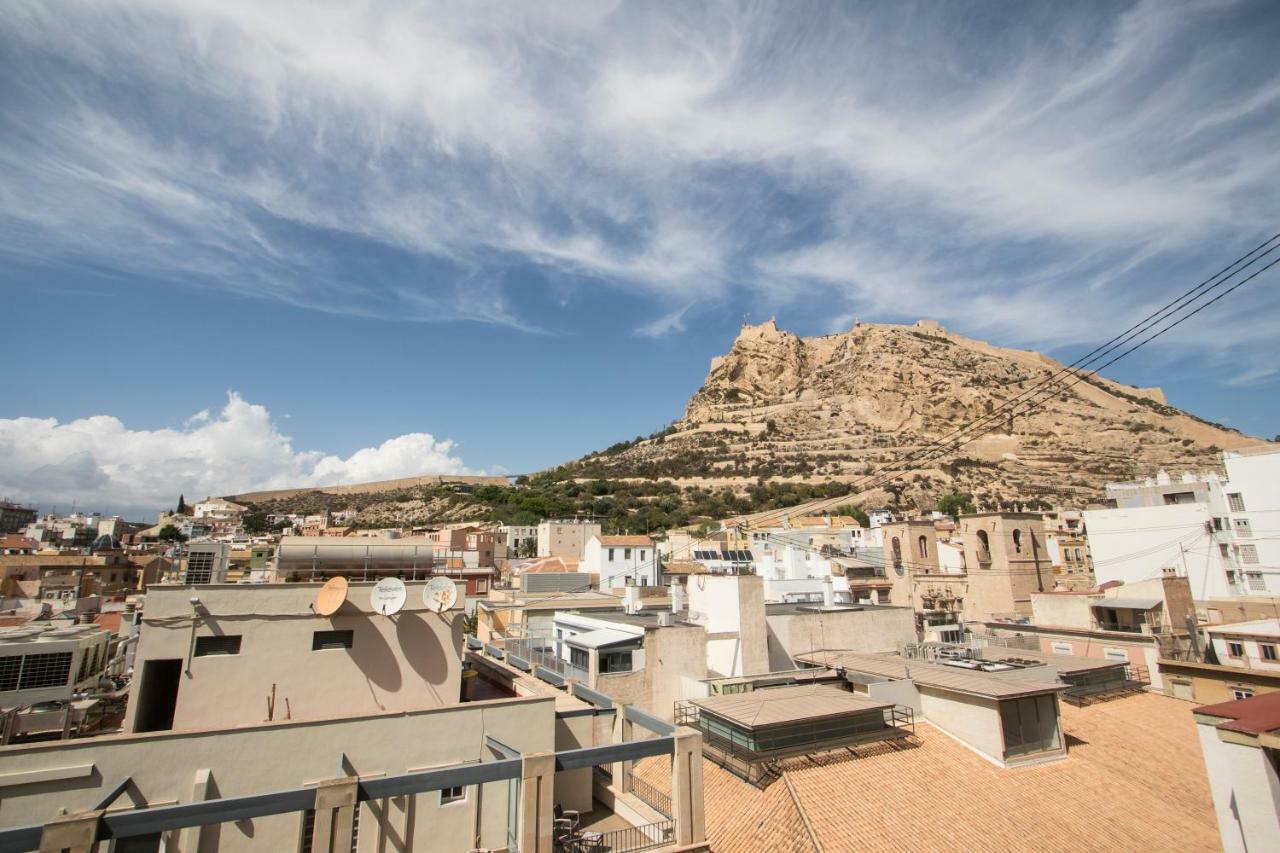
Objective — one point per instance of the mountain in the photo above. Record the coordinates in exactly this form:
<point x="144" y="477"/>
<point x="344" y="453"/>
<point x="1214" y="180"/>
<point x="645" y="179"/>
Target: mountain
<point x="844" y="406"/>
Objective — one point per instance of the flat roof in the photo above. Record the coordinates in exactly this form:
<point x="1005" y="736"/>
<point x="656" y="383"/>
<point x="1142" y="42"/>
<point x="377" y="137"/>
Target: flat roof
<point x="602" y="637"/>
<point x="938" y="676"/>
<point x="775" y="706"/>
<point x="1065" y="664"/>
<point x="1255" y="628"/>
<point x="1253" y="716"/>
<point x="1127" y="603"/>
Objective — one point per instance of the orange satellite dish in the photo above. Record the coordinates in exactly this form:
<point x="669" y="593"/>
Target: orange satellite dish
<point x="331" y="596"/>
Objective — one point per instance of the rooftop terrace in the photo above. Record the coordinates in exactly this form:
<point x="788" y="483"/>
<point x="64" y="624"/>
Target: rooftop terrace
<point x="1134" y="780"/>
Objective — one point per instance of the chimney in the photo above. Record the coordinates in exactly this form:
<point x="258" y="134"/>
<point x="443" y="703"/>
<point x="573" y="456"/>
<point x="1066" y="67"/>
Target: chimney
<point x="631" y="599"/>
<point x="828" y="592"/>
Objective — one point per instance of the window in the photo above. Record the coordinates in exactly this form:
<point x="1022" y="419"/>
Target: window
<point x="1249" y="553"/>
<point x="642" y="553"/>
<point x="1115" y="654"/>
<point x="1029" y="725"/>
<point x="1224" y="551"/>
<point x="1236" y="500"/>
<point x="225" y="645"/>
<point x="579" y="658"/>
<point x="1078" y="557"/>
<point x="1242" y="692"/>
<point x="626" y="553"/>
<point x="456" y="794"/>
<point x="1062" y="649"/>
<point x="615" y="662"/>
<point x="922" y="544"/>
<point x="47" y="670"/>
<point x="332" y="640"/>
<point x="1017" y="540"/>
<point x="1256" y="583"/>
<point x="1267" y="651"/>
<point x="1242" y="527"/>
<point x="1217" y="524"/>
<point x="1236" y="650"/>
<point x="1231" y="577"/>
<point x="610" y="555"/>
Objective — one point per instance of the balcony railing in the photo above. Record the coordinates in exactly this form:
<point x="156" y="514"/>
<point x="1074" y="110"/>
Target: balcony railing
<point x="1130" y="627"/>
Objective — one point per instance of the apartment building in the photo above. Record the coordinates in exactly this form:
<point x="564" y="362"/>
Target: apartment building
<point x="1236" y="661"/>
<point x="565" y="537"/>
<point x="621" y="561"/>
<point x="1240" y="740"/>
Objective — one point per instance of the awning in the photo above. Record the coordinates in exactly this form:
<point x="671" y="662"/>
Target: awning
<point x="600" y="638"/>
<point x="1128" y="603"/>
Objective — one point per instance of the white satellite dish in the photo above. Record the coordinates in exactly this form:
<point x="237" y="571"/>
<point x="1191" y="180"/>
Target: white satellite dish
<point x="439" y="594"/>
<point x="388" y="596"/>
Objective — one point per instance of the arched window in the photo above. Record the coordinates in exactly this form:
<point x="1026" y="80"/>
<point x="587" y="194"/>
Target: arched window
<point x="983" y="542"/>
<point x="897" y="554"/>
<point x="923" y="544"/>
<point x="1017" y="540"/>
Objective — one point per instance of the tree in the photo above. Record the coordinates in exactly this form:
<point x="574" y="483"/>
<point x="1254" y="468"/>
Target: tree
<point x="182" y="505"/>
<point x="955" y="504"/>
<point x="859" y="514"/>
<point x="169" y="533"/>
<point x="529" y="548"/>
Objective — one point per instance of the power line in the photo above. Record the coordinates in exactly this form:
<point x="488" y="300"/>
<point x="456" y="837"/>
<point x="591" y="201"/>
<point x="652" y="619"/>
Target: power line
<point x="1010" y="407"/>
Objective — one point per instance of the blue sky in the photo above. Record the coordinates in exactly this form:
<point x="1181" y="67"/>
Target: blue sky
<point x="252" y="244"/>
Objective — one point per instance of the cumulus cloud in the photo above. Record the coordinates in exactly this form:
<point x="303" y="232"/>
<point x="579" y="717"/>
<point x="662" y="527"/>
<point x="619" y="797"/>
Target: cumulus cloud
<point x="875" y="160"/>
<point x="99" y="462"/>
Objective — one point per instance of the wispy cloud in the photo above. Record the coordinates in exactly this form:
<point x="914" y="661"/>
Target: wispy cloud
<point x="882" y="161"/>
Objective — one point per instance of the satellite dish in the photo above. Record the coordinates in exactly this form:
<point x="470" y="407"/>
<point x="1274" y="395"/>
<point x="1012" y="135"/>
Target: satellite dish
<point x="331" y="596"/>
<point x="439" y="594"/>
<point x="388" y="596"/>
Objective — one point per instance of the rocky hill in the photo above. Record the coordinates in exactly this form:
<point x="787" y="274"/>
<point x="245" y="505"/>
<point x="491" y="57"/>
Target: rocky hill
<point x="842" y="406"/>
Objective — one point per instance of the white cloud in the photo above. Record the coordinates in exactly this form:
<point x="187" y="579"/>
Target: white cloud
<point x="99" y="462"/>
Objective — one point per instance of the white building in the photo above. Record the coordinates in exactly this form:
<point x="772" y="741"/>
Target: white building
<point x="1136" y="544"/>
<point x="1238" y="740"/>
<point x="218" y="509"/>
<point x="1252" y="495"/>
<point x="1247" y="645"/>
<point x="621" y="561"/>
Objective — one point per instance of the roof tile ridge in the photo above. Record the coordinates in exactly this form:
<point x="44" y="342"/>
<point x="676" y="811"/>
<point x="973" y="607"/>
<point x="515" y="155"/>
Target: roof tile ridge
<point x="804" y="816"/>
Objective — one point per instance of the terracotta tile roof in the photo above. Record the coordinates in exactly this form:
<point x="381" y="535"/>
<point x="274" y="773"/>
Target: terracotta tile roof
<point x="1134" y="780"/>
<point x="1251" y="716"/>
<point x="110" y="621"/>
<point x="626" y="541"/>
<point x="548" y="564"/>
<point x="684" y="567"/>
<point x="16" y="540"/>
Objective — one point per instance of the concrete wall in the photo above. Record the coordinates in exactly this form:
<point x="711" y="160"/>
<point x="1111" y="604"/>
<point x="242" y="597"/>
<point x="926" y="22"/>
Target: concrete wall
<point x="408" y="661"/>
<point x="731" y="610"/>
<point x="878" y="629"/>
<point x="1136" y="544"/>
<point x="1246" y="793"/>
<point x="972" y="720"/>
<point x="264" y="758"/>
<point x="1062" y="610"/>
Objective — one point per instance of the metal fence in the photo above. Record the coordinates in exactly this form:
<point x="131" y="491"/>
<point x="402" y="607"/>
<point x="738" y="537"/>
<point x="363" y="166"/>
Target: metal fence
<point x="649" y="836"/>
<point x="650" y="795"/>
<point x="541" y="651"/>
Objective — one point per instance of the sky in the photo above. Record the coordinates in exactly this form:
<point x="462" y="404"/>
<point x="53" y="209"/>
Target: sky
<point x="249" y="245"/>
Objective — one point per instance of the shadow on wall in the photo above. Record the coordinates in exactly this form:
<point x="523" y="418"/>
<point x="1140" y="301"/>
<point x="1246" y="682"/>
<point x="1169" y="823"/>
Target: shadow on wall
<point x="373" y="655"/>
<point x="422" y="648"/>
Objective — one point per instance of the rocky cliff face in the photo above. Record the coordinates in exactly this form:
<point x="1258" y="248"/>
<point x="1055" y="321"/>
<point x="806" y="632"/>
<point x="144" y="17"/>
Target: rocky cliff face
<point x="847" y="405"/>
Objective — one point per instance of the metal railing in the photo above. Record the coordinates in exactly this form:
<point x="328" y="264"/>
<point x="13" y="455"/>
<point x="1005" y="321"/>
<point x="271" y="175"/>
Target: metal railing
<point x="650" y="836"/>
<point x="650" y="795"/>
<point x="134" y="823"/>
<point x="1129" y="627"/>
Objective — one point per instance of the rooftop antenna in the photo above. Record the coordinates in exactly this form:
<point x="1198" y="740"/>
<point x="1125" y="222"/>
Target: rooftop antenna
<point x="388" y="596"/>
<point x="439" y="594"/>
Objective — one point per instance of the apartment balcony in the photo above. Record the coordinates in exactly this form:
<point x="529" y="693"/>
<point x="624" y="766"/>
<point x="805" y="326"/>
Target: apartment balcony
<point x="1131" y="627"/>
<point x="984" y="557"/>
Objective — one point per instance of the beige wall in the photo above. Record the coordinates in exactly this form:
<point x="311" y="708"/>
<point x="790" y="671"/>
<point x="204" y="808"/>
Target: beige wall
<point x="561" y="539"/>
<point x="871" y="630"/>
<point x="1019" y="565"/>
<point x="264" y="758"/>
<point x="408" y="661"/>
